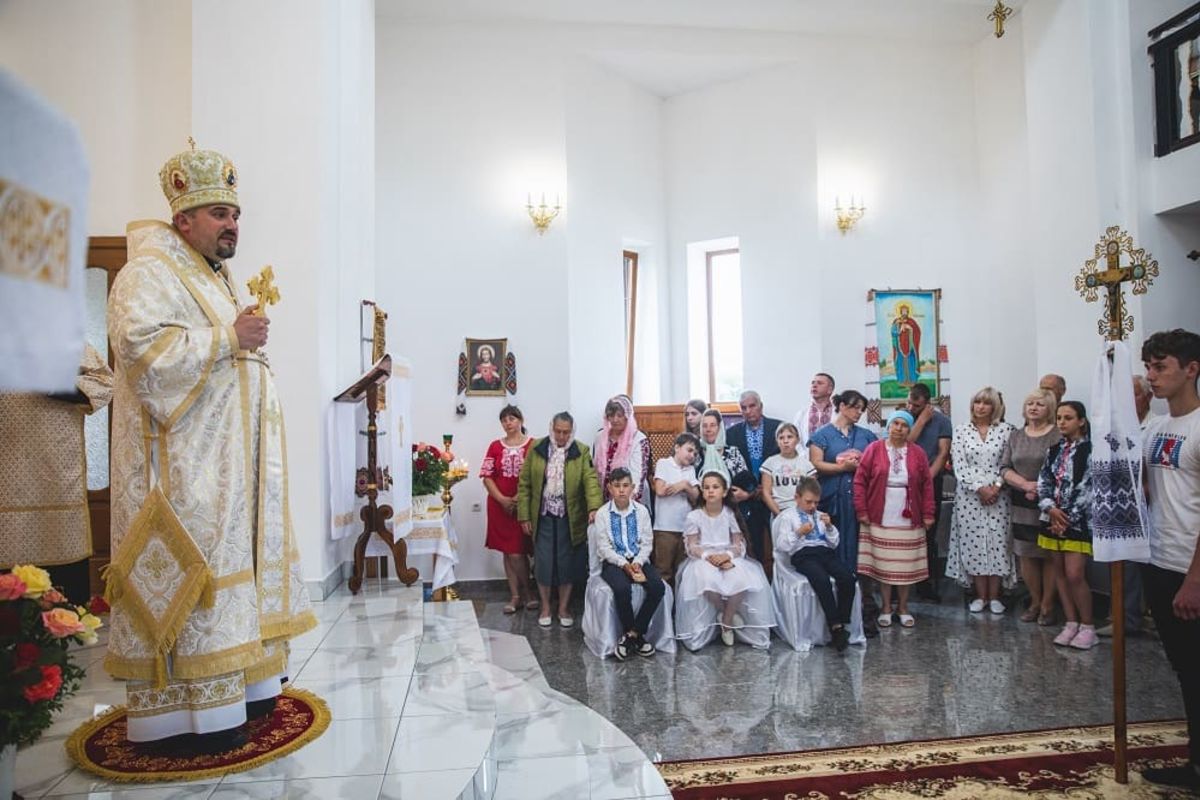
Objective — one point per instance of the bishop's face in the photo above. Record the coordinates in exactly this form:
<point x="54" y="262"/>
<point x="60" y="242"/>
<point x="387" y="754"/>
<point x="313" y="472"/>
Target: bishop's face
<point x="211" y="230"/>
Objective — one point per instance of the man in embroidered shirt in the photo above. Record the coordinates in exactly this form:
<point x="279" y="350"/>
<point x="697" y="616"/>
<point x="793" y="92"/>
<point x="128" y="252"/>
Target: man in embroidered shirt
<point x="1172" y="578"/>
<point x="624" y="540"/>
<point x="198" y="477"/>
<point x="820" y="412"/>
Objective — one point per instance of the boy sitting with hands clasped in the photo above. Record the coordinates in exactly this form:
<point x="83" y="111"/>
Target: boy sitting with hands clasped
<point x="624" y="539"/>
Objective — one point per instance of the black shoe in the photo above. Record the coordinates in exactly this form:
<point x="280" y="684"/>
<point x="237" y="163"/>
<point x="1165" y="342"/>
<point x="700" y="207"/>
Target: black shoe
<point x="1185" y="777"/>
<point x="621" y="652"/>
<point x="841" y="638"/>
<point x="188" y="745"/>
<point x="257" y="709"/>
<point x="645" y="648"/>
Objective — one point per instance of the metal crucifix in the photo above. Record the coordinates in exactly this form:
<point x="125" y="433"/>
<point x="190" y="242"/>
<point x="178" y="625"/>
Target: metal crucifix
<point x="1114" y="326"/>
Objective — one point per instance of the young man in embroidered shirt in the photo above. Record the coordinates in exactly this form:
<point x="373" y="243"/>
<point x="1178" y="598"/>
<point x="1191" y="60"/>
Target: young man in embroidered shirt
<point x="624" y="540"/>
<point x="1172" y="578"/>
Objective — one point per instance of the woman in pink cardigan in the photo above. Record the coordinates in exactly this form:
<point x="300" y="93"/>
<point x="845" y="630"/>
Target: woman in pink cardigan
<point x="893" y="499"/>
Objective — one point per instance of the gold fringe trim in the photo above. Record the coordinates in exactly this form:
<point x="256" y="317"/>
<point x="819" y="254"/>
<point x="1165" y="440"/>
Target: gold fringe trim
<point x="234" y="659"/>
<point x="76" y="746"/>
<point x="157" y="516"/>
<point x="132" y="669"/>
<point x="288" y="628"/>
<point x="272" y="665"/>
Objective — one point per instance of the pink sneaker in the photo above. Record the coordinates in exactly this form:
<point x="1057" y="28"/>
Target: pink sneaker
<point x="1069" y="631"/>
<point x="1086" y="639"/>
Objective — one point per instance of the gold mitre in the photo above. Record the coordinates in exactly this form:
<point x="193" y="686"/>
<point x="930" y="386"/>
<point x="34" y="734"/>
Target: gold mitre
<point x="197" y="178"/>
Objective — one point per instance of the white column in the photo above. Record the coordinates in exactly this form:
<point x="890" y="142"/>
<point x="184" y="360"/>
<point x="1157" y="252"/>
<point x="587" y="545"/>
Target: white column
<point x="286" y="90"/>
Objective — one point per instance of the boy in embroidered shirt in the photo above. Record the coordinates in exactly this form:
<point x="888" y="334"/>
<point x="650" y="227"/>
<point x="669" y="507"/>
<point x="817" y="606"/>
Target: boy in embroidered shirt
<point x="624" y="539"/>
<point x="811" y="539"/>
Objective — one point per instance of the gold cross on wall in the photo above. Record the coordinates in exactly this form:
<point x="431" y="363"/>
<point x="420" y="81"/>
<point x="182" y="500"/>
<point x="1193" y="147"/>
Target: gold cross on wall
<point x="1140" y="271"/>
<point x="263" y="287"/>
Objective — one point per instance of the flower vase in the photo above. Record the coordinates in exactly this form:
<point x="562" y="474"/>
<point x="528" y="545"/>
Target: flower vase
<point x="422" y="503"/>
<point x="8" y="763"/>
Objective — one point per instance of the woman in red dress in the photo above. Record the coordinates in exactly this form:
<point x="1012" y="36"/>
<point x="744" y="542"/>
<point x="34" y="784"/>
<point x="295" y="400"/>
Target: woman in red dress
<point x="500" y="470"/>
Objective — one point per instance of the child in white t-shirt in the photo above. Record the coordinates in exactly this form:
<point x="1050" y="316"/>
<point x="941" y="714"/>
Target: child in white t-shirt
<point x="675" y="489"/>
<point x="781" y="473"/>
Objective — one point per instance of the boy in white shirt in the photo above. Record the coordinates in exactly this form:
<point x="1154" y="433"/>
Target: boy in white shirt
<point x="624" y="538"/>
<point x="1172" y="578"/>
<point x="676" y="489"/>
<point x="811" y="539"/>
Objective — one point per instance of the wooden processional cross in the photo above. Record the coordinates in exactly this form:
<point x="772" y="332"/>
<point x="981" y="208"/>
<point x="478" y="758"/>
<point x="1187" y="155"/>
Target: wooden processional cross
<point x="1115" y="325"/>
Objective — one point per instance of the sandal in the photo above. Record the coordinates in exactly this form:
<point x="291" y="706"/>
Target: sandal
<point x="907" y="621"/>
<point x="1030" y="615"/>
<point x="532" y="605"/>
<point x="510" y="608"/>
<point x="884" y="620"/>
<point x="1047" y="620"/>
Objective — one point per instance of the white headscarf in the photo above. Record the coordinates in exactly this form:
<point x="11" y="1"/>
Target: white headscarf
<point x="714" y="460"/>
<point x="556" y="464"/>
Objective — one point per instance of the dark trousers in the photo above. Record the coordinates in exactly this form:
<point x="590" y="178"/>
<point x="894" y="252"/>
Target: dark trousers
<point x="758" y="522"/>
<point x="819" y="564"/>
<point x="73" y="579"/>
<point x="1181" y="640"/>
<point x="622" y="589"/>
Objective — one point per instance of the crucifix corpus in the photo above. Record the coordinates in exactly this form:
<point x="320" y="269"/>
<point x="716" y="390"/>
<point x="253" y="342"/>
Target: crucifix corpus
<point x="263" y="287"/>
<point x="1140" y="271"/>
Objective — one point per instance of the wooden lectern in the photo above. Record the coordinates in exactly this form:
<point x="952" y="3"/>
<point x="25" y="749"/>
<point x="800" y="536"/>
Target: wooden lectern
<point x="375" y="516"/>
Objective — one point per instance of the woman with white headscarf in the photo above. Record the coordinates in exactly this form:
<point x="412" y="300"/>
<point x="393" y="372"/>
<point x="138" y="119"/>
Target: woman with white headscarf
<point x="557" y="498"/>
<point x="723" y="458"/>
<point x="620" y="444"/>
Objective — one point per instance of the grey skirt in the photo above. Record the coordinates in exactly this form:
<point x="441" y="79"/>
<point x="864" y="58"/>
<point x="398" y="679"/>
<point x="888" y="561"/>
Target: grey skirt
<point x="555" y="560"/>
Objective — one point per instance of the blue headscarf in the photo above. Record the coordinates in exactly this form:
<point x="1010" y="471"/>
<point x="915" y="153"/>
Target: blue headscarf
<point x="899" y="413"/>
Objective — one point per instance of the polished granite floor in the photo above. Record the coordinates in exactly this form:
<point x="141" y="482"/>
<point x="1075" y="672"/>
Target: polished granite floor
<point x="954" y="674"/>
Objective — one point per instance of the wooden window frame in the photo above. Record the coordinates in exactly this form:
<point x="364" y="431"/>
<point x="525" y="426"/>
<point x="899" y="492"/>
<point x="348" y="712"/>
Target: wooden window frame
<point x="630" y="257"/>
<point x="708" y="296"/>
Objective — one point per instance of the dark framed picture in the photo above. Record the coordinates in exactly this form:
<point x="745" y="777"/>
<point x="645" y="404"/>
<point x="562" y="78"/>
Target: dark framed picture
<point x="1176" y="59"/>
<point x="485" y="370"/>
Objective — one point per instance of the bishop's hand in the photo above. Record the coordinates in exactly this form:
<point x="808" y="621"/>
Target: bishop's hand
<point x="251" y="329"/>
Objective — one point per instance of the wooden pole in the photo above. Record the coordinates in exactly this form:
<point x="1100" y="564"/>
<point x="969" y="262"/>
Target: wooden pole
<point x="1120" y="730"/>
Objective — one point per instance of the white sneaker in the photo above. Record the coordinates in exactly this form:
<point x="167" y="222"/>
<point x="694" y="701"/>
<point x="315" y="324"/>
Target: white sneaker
<point x="996" y="607"/>
<point x="727" y="636"/>
<point x="976" y="605"/>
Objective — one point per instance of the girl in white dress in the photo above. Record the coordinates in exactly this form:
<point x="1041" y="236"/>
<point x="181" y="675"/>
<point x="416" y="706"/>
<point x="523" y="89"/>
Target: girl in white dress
<point x="718" y="573"/>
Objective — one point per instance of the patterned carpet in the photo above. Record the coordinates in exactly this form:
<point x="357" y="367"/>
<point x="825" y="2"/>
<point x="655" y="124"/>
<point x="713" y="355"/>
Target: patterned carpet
<point x="100" y="747"/>
<point x="1066" y="762"/>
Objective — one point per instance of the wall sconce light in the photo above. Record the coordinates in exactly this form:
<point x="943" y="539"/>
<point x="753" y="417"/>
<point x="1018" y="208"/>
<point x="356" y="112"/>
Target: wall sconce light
<point x="847" y="217"/>
<point x="542" y="214"/>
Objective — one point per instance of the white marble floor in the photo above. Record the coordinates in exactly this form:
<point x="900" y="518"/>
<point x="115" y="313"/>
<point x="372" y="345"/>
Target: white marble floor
<point x="424" y="705"/>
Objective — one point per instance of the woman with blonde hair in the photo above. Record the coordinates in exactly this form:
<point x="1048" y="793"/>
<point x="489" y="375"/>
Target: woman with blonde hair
<point x="980" y="551"/>
<point x="1020" y="463"/>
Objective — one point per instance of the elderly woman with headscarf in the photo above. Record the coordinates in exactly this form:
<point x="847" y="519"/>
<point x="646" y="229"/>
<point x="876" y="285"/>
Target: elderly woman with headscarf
<point x="718" y="456"/>
<point x="893" y="502"/>
<point x="557" y="498"/>
<point x="620" y="444"/>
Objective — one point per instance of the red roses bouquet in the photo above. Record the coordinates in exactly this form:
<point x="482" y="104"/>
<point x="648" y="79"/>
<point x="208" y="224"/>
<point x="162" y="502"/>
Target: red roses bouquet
<point x="36" y="626"/>
<point x="429" y="469"/>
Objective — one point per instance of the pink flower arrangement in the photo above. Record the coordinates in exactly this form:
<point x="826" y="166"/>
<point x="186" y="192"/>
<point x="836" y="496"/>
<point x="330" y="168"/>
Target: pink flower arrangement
<point x="37" y="627"/>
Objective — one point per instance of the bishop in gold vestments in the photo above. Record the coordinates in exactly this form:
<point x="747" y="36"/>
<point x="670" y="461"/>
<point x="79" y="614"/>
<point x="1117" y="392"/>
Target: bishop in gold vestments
<point x="205" y="576"/>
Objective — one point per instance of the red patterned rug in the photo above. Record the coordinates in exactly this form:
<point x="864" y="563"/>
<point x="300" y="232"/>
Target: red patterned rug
<point x="1066" y="762"/>
<point x="99" y="746"/>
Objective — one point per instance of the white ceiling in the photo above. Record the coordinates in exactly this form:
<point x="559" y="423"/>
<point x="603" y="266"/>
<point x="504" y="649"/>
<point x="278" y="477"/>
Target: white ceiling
<point x="635" y="52"/>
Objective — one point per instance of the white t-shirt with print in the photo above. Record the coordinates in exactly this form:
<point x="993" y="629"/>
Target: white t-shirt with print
<point x="1173" y="473"/>
<point x="670" y="512"/>
<point x="785" y="476"/>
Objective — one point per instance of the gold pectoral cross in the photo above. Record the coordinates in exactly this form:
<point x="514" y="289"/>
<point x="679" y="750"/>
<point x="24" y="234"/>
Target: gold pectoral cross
<point x="263" y="287"/>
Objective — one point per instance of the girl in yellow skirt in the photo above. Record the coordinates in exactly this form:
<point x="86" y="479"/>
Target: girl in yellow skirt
<point x="1064" y="496"/>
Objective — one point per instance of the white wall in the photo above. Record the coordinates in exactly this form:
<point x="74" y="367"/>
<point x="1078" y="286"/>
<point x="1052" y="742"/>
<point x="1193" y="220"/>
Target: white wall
<point x="122" y="71"/>
<point x="763" y="157"/>
<point x="292" y="116"/>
